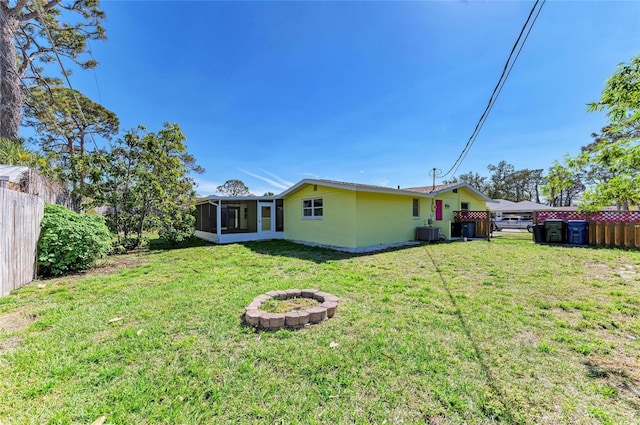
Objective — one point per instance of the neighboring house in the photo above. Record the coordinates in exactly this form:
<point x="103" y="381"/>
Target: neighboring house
<point x="24" y="179"/>
<point x="502" y="208"/>
<point x="339" y="215"/>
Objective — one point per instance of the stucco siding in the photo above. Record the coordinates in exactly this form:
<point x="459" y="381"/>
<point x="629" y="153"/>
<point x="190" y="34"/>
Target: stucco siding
<point x="337" y="227"/>
<point x="454" y="202"/>
<point x="387" y="219"/>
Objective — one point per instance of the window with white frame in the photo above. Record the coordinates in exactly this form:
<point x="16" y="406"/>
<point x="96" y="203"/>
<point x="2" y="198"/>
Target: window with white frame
<point x="312" y="208"/>
<point x="416" y="207"/>
<point x="464" y="206"/>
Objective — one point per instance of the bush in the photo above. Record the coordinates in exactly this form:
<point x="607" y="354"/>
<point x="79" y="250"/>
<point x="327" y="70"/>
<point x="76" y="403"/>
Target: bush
<point x="70" y="241"/>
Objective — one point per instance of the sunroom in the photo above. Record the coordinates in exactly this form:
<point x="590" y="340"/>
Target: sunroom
<point x="222" y="219"/>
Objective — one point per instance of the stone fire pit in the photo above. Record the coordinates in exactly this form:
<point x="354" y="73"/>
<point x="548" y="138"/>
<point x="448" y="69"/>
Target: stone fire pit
<point x="260" y="319"/>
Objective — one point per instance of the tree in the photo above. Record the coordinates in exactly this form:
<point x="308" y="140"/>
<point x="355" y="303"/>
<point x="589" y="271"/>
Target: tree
<point x="506" y="182"/>
<point x="24" y="39"/>
<point x="621" y="101"/>
<point x="524" y="185"/>
<point x="143" y="181"/>
<point x="64" y="130"/>
<point x="234" y="188"/>
<point x="474" y="179"/>
<point x="499" y="185"/>
<point x="14" y="152"/>
<point x="561" y="185"/>
<point x="612" y="161"/>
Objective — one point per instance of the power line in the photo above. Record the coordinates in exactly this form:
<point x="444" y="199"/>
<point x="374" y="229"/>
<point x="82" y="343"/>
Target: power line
<point x="506" y="71"/>
<point x="501" y="87"/>
<point x="95" y="74"/>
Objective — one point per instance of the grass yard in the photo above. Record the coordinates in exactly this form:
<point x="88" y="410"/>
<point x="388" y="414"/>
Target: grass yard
<point x="474" y="332"/>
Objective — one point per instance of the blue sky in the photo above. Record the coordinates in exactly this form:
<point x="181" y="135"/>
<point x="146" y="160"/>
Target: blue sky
<point x="369" y="92"/>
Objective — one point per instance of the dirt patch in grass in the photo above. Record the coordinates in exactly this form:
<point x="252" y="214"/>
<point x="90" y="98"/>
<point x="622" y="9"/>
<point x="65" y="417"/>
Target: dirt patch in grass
<point x="597" y="271"/>
<point x="11" y="322"/>
<point x="527" y="338"/>
<point x="621" y="365"/>
<point x="603" y="271"/>
<point x="109" y="265"/>
<point x="10" y="343"/>
<point x="628" y="272"/>
<point x="14" y="321"/>
<point x="114" y="263"/>
<point x="620" y="374"/>
<point x="437" y="420"/>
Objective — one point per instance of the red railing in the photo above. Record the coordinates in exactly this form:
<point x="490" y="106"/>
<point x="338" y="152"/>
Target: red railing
<point x="470" y="215"/>
<point x="602" y="216"/>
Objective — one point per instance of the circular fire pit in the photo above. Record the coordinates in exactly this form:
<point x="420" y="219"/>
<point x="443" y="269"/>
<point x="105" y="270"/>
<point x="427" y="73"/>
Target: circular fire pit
<point x="254" y="316"/>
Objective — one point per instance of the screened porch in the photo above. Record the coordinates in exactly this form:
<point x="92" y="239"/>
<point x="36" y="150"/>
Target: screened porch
<point x="228" y="219"/>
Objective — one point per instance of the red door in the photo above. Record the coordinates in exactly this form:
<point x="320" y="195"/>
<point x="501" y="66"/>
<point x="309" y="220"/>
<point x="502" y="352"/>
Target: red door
<point x="438" y="209"/>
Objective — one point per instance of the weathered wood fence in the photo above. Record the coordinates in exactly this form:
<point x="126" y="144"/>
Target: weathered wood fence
<point x="51" y="192"/>
<point x="20" y="217"/>
<point x="482" y="220"/>
<point x="619" y="229"/>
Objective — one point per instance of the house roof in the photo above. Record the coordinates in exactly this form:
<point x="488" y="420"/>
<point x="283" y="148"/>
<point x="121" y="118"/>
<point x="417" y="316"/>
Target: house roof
<point x="438" y="189"/>
<point x="356" y="187"/>
<point x="13" y="172"/>
<point x="426" y="191"/>
<point x="502" y="205"/>
<point x="433" y="189"/>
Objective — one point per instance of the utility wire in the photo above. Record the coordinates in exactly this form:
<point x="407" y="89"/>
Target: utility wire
<point x="506" y="71"/>
<point x="501" y="86"/>
<point x="95" y="74"/>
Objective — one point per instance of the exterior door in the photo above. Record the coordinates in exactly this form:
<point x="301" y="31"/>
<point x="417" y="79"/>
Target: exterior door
<point x="438" y="209"/>
<point x="265" y="220"/>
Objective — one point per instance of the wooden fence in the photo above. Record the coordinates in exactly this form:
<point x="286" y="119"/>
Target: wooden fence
<point x="482" y="220"/>
<point x="51" y="192"/>
<point x="619" y="229"/>
<point x="20" y="217"/>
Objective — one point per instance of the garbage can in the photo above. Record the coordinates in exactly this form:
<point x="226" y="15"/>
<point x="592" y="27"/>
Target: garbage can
<point x="468" y="229"/>
<point x="577" y="232"/>
<point x="456" y="229"/>
<point x="538" y="233"/>
<point x="554" y="231"/>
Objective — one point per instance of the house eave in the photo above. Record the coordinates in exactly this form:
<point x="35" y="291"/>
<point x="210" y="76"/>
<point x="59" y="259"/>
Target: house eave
<point x="216" y="198"/>
<point x="352" y="188"/>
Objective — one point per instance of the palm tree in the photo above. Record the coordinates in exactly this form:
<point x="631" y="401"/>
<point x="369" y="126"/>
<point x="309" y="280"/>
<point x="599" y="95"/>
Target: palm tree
<point x="14" y="152"/>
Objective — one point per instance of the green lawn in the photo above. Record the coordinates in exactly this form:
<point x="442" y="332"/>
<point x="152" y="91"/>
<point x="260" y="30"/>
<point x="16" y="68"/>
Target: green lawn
<point x="473" y="332"/>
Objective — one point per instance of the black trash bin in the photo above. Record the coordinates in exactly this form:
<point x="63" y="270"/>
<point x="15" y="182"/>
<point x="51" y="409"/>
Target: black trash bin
<point x="554" y="231"/>
<point x="456" y="229"/>
<point x="468" y="229"/>
<point x="577" y="232"/>
<point x="538" y="233"/>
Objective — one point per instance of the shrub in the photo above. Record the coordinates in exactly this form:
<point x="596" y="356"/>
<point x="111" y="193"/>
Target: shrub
<point x="70" y="241"/>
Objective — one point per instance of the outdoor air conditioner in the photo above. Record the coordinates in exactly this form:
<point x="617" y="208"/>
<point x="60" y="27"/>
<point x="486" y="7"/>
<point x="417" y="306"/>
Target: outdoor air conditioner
<point x="428" y="233"/>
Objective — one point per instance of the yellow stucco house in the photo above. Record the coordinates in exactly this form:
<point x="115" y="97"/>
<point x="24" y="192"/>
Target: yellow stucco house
<point x="339" y="215"/>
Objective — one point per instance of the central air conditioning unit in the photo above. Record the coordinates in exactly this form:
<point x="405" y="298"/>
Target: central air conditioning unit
<point x="428" y="233"/>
